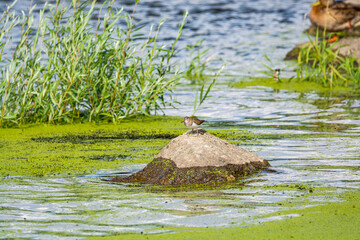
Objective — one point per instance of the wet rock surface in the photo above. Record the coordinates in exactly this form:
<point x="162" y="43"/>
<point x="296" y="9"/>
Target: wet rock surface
<point x="197" y="159"/>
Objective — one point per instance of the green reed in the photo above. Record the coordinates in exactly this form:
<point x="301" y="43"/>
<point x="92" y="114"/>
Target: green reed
<point x="319" y="62"/>
<point x="203" y="94"/>
<point x="198" y="63"/>
<point x="64" y="69"/>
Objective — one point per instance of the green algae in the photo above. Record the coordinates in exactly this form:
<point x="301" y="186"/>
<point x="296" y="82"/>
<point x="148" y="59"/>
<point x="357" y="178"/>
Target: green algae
<point x="76" y="149"/>
<point x="322" y="221"/>
<point x="293" y="85"/>
<point x="295" y="186"/>
<point x="83" y="148"/>
<point x="39" y="150"/>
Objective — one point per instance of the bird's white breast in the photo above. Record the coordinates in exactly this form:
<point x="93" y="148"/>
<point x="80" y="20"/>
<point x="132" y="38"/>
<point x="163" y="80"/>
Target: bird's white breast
<point x="194" y="125"/>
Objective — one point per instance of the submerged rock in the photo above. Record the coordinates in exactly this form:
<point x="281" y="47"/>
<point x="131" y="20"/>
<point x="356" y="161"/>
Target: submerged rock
<point x="197" y="159"/>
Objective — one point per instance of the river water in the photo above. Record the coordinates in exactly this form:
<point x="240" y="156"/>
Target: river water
<point x="240" y="32"/>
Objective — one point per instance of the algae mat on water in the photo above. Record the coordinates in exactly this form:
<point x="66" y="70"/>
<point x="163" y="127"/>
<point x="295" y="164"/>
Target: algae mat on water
<point x="340" y="220"/>
<point x="44" y="150"/>
<point x="293" y="85"/>
<point x="76" y="149"/>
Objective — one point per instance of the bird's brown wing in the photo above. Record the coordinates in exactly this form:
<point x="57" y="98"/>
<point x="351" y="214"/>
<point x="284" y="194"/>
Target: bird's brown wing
<point x="353" y="3"/>
<point x="343" y="12"/>
<point x="198" y="121"/>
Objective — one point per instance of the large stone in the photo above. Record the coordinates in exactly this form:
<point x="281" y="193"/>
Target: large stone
<point x="203" y="158"/>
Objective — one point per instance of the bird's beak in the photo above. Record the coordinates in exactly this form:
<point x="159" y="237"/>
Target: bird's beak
<point x="316" y="3"/>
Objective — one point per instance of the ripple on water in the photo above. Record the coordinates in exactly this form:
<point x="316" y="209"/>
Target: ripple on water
<point x="86" y="206"/>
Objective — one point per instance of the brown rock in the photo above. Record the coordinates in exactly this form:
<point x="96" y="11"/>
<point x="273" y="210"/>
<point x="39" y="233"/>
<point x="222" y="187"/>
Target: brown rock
<point x="197" y="159"/>
<point x="348" y="47"/>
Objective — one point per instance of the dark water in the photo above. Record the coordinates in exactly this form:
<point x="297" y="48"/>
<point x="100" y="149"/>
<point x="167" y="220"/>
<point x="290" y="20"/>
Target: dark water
<point x="240" y="32"/>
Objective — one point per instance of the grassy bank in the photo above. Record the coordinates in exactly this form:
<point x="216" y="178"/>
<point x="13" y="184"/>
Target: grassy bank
<point x="318" y="65"/>
<point x="321" y="62"/>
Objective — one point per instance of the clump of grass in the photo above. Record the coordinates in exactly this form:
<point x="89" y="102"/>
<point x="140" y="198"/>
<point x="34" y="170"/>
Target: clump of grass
<point x="64" y="69"/>
<point x="319" y="62"/>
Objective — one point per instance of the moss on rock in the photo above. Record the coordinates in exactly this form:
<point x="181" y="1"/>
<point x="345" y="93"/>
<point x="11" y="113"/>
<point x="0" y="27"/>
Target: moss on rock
<point x="165" y="172"/>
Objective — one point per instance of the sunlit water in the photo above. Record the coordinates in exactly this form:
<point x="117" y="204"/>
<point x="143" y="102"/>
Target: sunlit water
<point x="240" y="32"/>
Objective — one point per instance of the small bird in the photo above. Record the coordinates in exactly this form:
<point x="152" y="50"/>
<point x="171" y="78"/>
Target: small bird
<point x="193" y="123"/>
<point x="277" y="74"/>
<point x="334" y="16"/>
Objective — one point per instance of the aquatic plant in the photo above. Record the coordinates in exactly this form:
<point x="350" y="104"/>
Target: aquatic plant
<point x="65" y="69"/>
<point x="319" y="62"/>
<point x="201" y="95"/>
<point x="319" y="66"/>
<point x="195" y="69"/>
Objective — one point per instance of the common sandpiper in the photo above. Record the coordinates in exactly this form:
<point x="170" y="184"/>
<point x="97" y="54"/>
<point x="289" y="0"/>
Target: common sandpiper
<point x="193" y="123"/>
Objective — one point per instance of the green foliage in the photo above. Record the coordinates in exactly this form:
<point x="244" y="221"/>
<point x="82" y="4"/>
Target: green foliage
<point x="318" y="62"/>
<point x="195" y="69"/>
<point x="319" y="66"/>
<point x="200" y="98"/>
<point x="195" y="72"/>
<point x="64" y="69"/>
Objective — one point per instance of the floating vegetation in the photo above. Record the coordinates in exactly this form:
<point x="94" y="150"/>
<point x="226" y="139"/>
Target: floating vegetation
<point x="104" y="136"/>
<point x="76" y="149"/>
